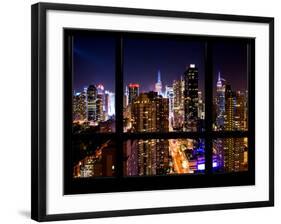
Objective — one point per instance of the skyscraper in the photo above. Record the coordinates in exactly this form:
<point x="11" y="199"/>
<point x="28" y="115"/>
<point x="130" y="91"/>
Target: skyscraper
<point x="101" y="92"/>
<point x="229" y="108"/>
<point x="169" y="93"/>
<point x="220" y="103"/>
<point x="100" y="89"/>
<point x="162" y="156"/>
<point x="178" y="89"/>
<point x="240" y="115"/>
<point x="131" y="162"/>
<point x="143" y="115"/>
<point x="79" y="107"/>
<point x="229" y="126"/>
<point x="110" y="103"/>
<point x="91" y="103"/>
<point x="99" y="108"/>
<point x="126" y="98"/>
<point x="158" y="84"/>
<point x="146" y="156"/>
<point x="133" y="92"/>
<point x="233" y="148"/>
<point x="191" y="98"/>
<point x="150" y="113"/>
<point x="201" y="106"/>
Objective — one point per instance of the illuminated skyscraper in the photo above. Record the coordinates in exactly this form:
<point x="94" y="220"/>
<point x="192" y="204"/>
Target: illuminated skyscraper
<point x="246" y="109"/>
<point x="133" y="92"/>
<point x="143" y="114"/>
<point x="230" y="154"/>
<point x="233" y="148"/>
<point x="230" y="104"/>
<point x="150" y="113"/>
<point x="79" y="107"/>
<point x="220" y="103"/>
<point x="169" y="94"/>
<point x="146" y="157"/>
<point x="100" y="89"/>
<point x="191" y="98"/>
<point x="131" y="162"/>
<point x="106" y="105"/>
<point x="240" y="115"/>
<point x="99" y="108"/>
<point x="162" y="156"/>
<point x="162" y="113"/>
<point x="201" y="106"/>
<point x="178" y="88"/>
<point x="110" y="103"/>
<point x="229" y="126"/>
<point x="101" y="92"/>
<point x="126" y="98"/>
<point x="158" y="84"/>
<point x="91" y="103"/>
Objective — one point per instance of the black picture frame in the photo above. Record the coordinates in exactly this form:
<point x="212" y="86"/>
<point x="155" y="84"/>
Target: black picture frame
<point x="39" y="125"/>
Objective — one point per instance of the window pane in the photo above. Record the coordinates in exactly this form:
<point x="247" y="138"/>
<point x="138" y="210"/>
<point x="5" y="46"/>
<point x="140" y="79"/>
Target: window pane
<point x="230" y="154"/>
<point x="163" y="157"/>
<point x="163" y="85"/>
<point x="93" y="83"/>
<point x="94" y="158"/>
<point x="230" y="90"/>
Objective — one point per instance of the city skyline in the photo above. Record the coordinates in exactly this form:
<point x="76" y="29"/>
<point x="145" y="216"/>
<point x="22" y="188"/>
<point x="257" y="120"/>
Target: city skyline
<point x="94" y="62"/>
<point x="163" y="92"/>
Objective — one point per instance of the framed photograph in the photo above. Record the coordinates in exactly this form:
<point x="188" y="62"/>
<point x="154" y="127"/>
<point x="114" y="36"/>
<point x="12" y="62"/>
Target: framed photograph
<point x="139" y="111"/>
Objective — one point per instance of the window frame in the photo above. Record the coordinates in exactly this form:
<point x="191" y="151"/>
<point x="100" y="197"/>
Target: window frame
<point x="120" y="182"/>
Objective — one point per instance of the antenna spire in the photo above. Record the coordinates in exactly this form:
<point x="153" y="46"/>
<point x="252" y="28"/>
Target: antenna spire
<point x="159" y="77"/>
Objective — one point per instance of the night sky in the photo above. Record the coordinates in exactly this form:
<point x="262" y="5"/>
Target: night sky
<point x="144" y="57"/>
<point x="94" y="62"/>
<point x="230" y="59"/>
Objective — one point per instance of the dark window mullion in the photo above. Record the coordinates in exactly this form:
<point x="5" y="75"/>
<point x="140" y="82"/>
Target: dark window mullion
<point x="164" y="135"/>
<point x="88" y="136"/>
<point x="119" y="104"/>
<point x="251" y="104"/>
<point x="68" y="79"/>
<point x="208" y="106"/>
<point x="228" y="134"/>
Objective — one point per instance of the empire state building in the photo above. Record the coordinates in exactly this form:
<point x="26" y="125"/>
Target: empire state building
<point x="158" y="84"/>
<point x="220" y="102"/>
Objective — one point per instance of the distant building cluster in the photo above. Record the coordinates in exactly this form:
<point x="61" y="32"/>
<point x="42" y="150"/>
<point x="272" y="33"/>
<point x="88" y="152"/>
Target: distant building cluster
<point x="100" y="162"/>
<point x="230" y="154"/>
<point x="179" y="108"/>
<point x="163" y="157"/>
<point x="231" y="108"/>
<point x="95" y="108"/>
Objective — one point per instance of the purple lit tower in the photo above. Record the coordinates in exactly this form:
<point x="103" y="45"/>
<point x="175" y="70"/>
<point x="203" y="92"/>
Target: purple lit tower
<point x="220" y="102"/>
<point x="158" y="84"/>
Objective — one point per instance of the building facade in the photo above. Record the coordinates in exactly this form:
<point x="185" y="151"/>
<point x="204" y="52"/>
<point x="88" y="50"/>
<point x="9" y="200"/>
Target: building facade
<point x="191" y="98"/>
